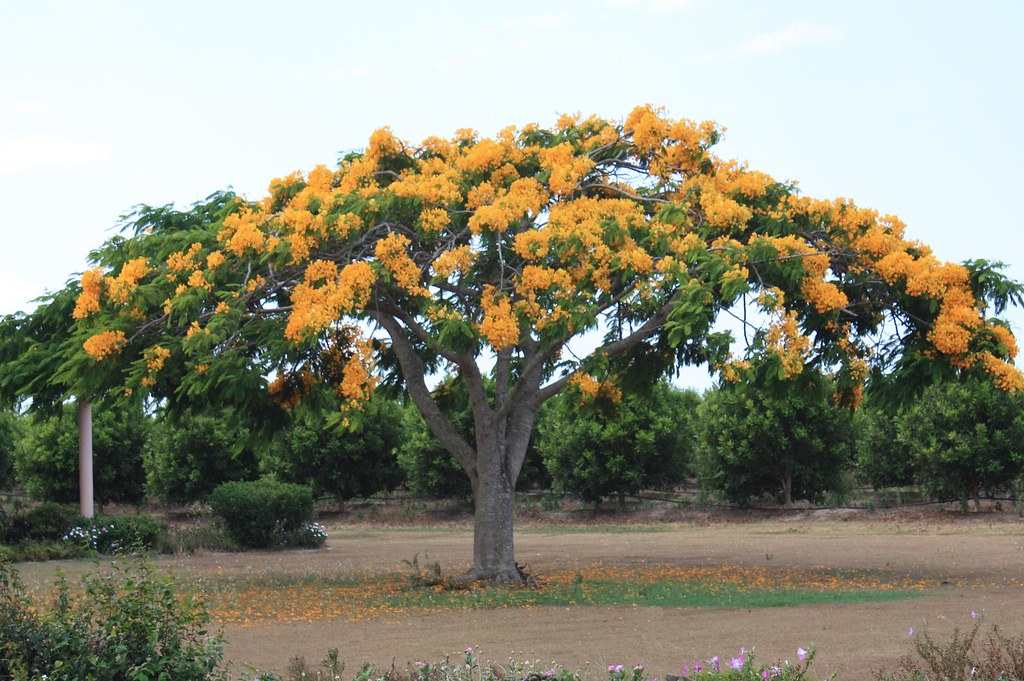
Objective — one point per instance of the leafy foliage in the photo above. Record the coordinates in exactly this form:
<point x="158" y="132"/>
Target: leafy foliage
<point x="793" y="444"/>
<point x="10" y="432"/>
<point x="128" y="624"/>
<point x="261" y="513"/>
<point x="345" y="463"/>
<point x="187" y="456"/>
<point x="47" y="460"/>
<point x="882" y="460"/>
<point x="644" y="442"/>
<point x="965" y="437"/>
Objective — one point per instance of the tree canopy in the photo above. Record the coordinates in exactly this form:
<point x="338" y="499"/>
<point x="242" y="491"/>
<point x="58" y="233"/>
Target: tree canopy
<point x="480" y="256"/>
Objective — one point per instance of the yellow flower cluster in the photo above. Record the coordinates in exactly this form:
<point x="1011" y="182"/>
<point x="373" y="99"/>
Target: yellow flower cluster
<point x="315" y="305"/>
<point x="499" y="326"/>
<point x="180" y="261"/>
<point x="591" y="389"/>
<point x="104" y="343"/>
<point x="391" y="252"/>
<point x="784" y="340"/>
<point x="155" y="358"/>
<point x="242" y="232"/>
<point x="459" y="259"/>
<point x="567" y="169"/>
<point x="89" y="299"/>
<point x="122" y="286"/>
<point x="526" y="197"/>
<point x="434" y="220"/>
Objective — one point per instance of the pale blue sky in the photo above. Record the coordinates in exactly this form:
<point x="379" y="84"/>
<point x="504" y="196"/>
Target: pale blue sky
<point x="911" y="107"/>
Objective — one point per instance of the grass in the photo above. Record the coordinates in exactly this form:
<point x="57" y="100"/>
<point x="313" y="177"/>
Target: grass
<point x="280" y="597"/>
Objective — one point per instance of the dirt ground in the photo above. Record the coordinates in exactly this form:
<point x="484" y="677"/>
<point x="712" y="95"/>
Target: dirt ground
<point x="978" y="557"/>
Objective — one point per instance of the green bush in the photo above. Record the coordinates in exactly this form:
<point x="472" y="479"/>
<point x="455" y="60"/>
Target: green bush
<point x="790" y="442"/>
<point x="357" y="461"/>
<point x="47" y="522"/>
<point x="262" y="513"/>
<point x="967" y="438"/>
<point x="117" y="534"/>
<point x="46" y="459"/>
<point x="188" y="456"/>
<point x="643" y="442"/>
<point x="127" y="624"/>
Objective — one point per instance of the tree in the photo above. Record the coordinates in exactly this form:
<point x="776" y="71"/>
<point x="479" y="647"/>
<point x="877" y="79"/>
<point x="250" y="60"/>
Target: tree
<point x="965" y="438"/>
<point x="492" y="257"/>
<point x="46" y="461"/>
<point x="344" y="463"/>
<point x="881" y="459"/>
<point x="791" y="442"/>
<point x="10" y="434"/>
<point x="645" y="441"/>
<point x="187" y="456"/>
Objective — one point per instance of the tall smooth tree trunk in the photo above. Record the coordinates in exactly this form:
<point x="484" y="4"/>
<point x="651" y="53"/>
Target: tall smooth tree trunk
<point x="85" y="482"/>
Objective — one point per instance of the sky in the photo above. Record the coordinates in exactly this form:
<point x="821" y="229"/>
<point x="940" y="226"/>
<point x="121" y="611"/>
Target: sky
<point x="913" y="107"/>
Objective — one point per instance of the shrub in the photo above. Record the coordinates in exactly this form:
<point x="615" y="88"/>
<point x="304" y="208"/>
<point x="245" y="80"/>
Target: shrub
<point x="188" y="456"/>
<point x="117" y="534"/>
<point x="47" y="522"/>
<point x="644" y="442"/>
<point x="791" y="442"/>
<point x="966" y="438"/>
<point x="357" y="461"/>
<point x="127" y="624"/>
<point x="1000" y="658"/>
<point x="263" y="512"/>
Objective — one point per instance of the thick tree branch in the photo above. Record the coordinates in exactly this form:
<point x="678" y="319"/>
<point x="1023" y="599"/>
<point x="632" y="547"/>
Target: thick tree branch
<point x="414" y="372"/>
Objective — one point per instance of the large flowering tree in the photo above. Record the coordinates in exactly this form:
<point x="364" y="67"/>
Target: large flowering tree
<point x="491" y="257"/>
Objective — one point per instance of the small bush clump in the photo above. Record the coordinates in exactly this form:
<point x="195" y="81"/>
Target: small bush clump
<point x="264" y="513"/>
<point x="117" y="534"/>
<point x="126" y="624"/>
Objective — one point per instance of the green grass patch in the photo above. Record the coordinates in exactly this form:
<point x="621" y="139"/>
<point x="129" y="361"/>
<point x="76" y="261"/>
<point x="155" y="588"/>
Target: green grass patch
<point x="317" y="596"/>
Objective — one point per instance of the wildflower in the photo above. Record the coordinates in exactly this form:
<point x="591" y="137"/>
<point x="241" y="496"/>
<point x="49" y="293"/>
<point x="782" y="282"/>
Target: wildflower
<point x="802" y="654"/>
<point x="469" y="650"/>
<point x="974" y="615"/>
<point x="911" y="632"/>
<point x="736" y="663"/>
<point x="714" y="663"/>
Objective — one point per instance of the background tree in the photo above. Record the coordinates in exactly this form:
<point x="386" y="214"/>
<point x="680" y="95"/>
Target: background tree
<point x="791" y="443"/>
<point x="476" y="256"/>
<point x="643" y="442"/>
<point x="46" y="461"/>
<point x="10" y="435"/>
<point x="965" y="438"/>
<point x="882" y="460"/>
<point x="340" y="462"/>
<point x="188" y="455"/>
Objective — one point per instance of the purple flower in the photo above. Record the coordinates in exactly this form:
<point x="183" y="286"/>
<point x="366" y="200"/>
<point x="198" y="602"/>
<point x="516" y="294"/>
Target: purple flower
<point x="974" y="615"/>
<point x="736" y="663"/>
<point x="714" y="663"/>
<point x="801" y="653"/>
<point x="469" y="650"/>
<point x="911" y="632"/>
<point x="638" y="668"/>
<point x="764" y="674"/>
<point x="697" y="667"/>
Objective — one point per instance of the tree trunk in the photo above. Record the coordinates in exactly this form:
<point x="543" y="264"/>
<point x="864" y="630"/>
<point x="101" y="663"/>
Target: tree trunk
<point x="493" y="543"/>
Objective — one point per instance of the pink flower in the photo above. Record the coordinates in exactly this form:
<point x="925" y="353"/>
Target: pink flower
<point x="801" y="653"/>
<point x="714" y="663"/>
<point x="736" y="663"/>
<point x="469" y="650"/>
